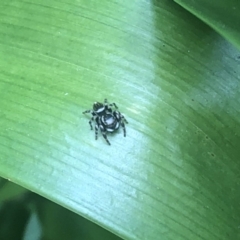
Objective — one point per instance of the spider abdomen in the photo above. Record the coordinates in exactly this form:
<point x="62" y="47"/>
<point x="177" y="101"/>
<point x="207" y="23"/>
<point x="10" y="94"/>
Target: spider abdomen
<point x="110" y="122"/>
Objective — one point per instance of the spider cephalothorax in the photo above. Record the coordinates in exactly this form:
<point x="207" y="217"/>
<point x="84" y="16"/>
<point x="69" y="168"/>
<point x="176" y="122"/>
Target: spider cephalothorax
<point x="106" y="119"/>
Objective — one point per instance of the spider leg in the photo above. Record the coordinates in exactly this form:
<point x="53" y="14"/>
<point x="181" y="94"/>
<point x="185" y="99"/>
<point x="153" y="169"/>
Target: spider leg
<point x="123" y="118"/>
<point x="93" y="117"/>
<point x="90" y="122"/>
<point x="105" y="137"/>
<point x="96" y="132"/>
<point x="87" y="111"/>
<point x="120" y="117"/>
<point x="111" y="104"/>
<point x="124" y="128"/>
<point x="104" y="133"/>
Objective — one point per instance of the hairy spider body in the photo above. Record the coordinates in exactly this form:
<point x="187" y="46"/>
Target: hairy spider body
<point x="106" y="119"/>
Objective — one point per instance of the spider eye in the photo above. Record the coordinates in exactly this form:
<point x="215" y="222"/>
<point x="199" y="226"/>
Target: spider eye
<point x="97" y="105"/>
<point x="94" y="106"/>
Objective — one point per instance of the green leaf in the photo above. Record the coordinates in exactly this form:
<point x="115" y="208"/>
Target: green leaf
<point x="221" y="15"/>
<point x="176" y="175"/>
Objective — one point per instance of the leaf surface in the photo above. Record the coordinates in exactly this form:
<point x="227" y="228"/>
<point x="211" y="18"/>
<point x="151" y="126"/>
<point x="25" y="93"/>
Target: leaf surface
<point x="176" y="174"/>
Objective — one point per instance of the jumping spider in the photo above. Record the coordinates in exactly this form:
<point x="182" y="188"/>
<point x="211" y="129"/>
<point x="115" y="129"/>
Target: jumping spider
<point x="106" y="119"/>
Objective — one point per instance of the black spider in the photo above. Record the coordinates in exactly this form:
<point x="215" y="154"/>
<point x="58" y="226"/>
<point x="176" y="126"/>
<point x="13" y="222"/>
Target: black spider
<point x="107" y="119"/>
